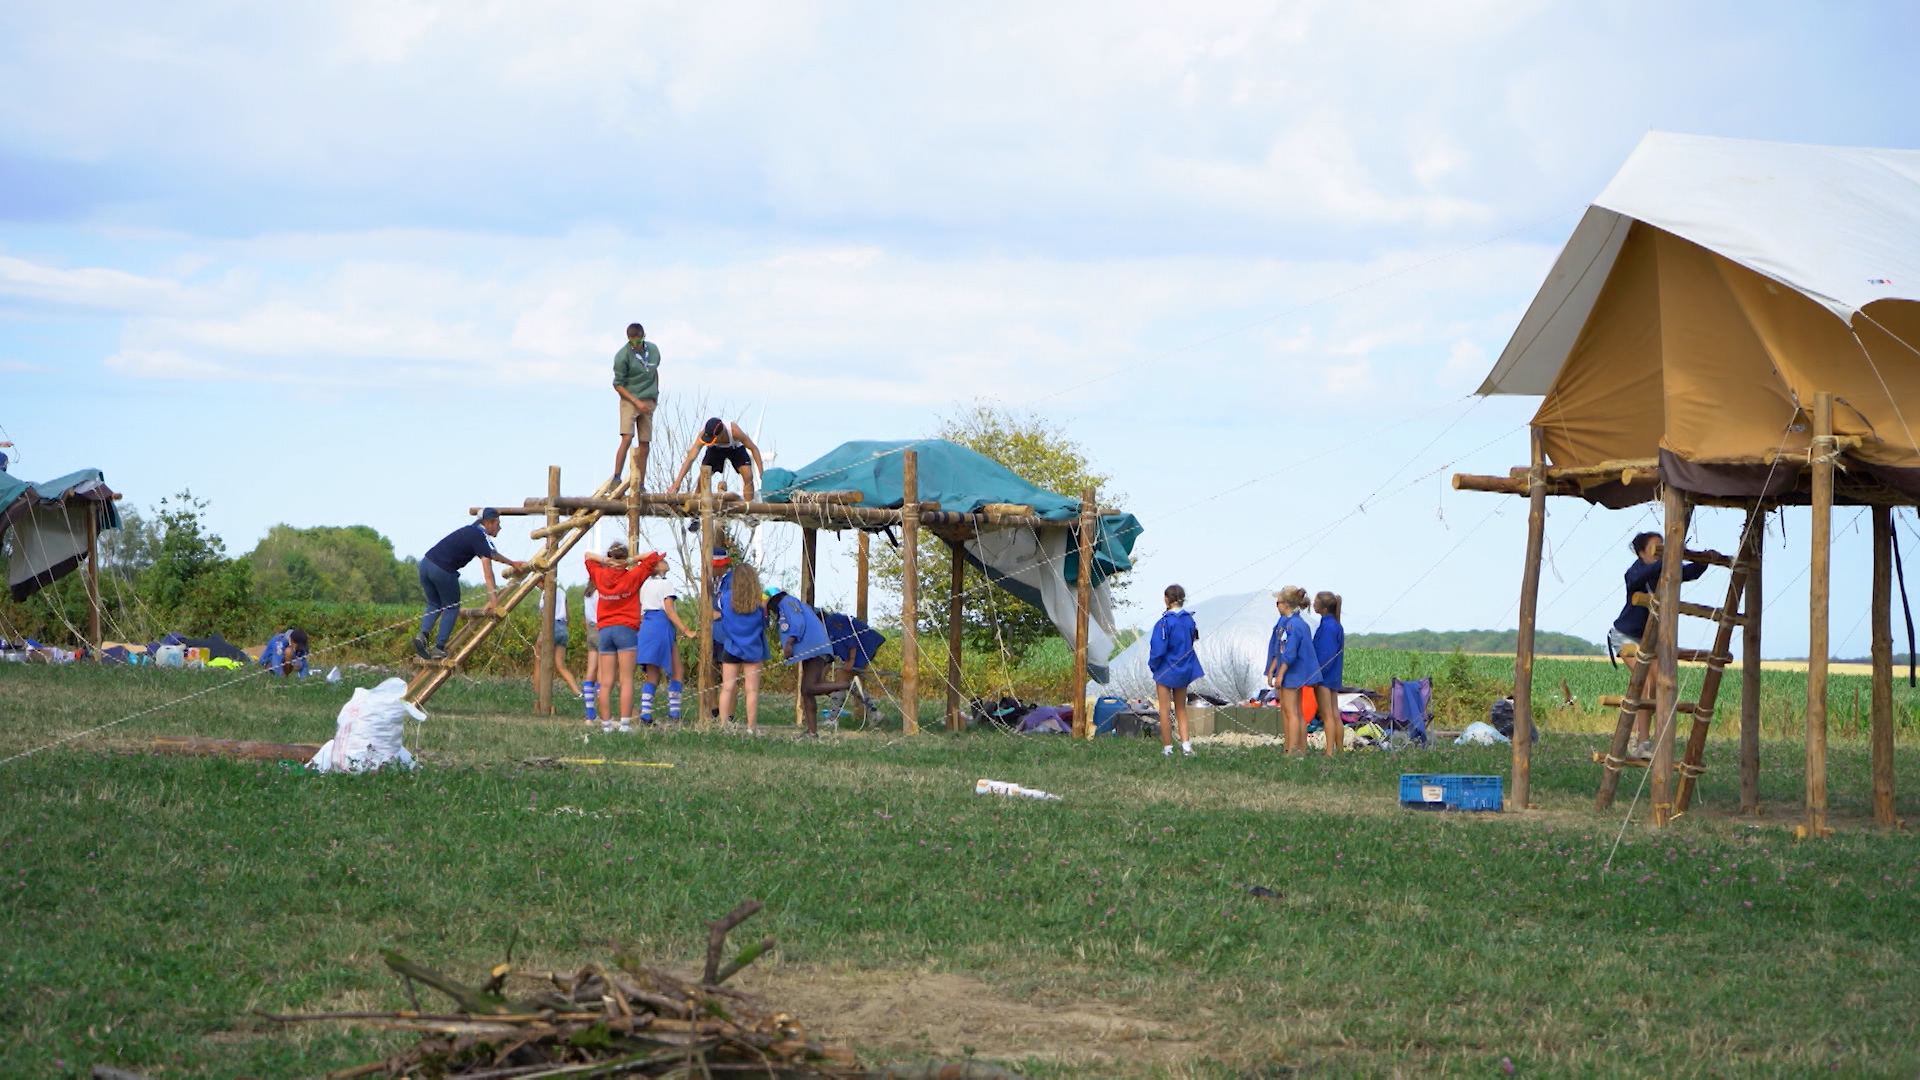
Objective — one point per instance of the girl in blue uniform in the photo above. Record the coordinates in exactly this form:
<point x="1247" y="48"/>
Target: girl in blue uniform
<point x="1330" y="647"/>
<point x="740" y="637"/>
<point x="1292" y="664"/>
<point x="657" y="649"/>
<point x="804" y="640"/>
<point x="1175" y="666"/>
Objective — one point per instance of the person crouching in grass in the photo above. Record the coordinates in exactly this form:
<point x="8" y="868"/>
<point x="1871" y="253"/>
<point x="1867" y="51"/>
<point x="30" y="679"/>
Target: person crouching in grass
<point x="1175" y="666"/>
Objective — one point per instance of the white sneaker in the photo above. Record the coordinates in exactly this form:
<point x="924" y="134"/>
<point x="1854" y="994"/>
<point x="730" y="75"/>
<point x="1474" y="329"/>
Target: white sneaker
<point x="606" y="727"/>
<point x="1186" y="748"/>
<point x="1167" y="750"/>
<point x="626" y="727"/>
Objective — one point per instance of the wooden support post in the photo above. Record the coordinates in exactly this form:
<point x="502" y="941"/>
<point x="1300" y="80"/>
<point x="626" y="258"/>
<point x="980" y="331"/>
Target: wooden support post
<point x="1750" y="670"/>
<point x="956" y="612"/>
<point x="860" y="584"/>
<point x="1666" y="665"/>
<point x="633" y="502"/>
<point x="706" y="689"/>
<point x="549" y="609"/>
<point x="909" y="593"/>
<point x="1819" y="591"/>
<point x="1529" y="608"/>
<point x="93" y="580"/>
<point x="1881" y="740"/>
<point x="1082" y="604"/>
<point x="809" y="563"/>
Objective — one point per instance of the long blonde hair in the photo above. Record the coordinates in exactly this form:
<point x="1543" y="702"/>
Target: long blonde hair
<point x="746" y="589"/>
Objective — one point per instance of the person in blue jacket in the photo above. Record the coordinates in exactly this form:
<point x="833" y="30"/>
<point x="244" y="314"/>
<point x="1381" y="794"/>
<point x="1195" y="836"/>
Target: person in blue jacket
<point x="804" y="641"/>
<point x="1631" y="624"/>
<point x="740" y="639"/>
<point x="855" y="644"/>
<point x="1330" y="647"/>
<point x="1292" y="664"/>
<point x="1175" y="664"/>
<point x="286" y="653"/>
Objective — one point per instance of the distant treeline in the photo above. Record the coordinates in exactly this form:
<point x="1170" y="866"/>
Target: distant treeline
<point x="1475" y="641"/>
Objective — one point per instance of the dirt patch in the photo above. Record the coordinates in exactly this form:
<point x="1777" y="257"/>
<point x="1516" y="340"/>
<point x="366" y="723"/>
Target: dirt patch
<point x="935" y="1014"/>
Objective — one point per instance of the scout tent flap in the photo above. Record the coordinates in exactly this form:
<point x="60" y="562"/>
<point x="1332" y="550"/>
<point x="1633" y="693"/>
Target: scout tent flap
<point x="46" y="524"/>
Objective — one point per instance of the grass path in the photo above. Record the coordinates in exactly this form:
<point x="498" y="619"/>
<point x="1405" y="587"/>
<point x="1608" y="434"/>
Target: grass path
<point x="147" y="904"/>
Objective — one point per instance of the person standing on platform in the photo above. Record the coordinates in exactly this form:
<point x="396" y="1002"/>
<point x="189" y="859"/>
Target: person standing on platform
<point x="636" y="379"/>
<point x="725" y="443"/>
<point x="1292" y="665"/>
<point x="440" y="579"/>
<point x="740" y="640"/>
<point x="804" y="641"/>
<point x="1330" y="648"/>
<point x="1174" y="660"/>
<point x="619" y="587"/>
<point x="658" y="648"/>
<point x="1631" y="625"/>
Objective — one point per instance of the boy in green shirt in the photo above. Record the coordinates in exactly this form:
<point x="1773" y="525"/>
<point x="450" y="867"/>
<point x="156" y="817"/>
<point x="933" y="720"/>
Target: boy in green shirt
<point x="636" y="378"/>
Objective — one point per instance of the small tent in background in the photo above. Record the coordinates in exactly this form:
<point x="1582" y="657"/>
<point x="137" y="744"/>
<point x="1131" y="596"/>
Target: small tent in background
<point x="1234" y="632"/>
<point x="53" y="527"/>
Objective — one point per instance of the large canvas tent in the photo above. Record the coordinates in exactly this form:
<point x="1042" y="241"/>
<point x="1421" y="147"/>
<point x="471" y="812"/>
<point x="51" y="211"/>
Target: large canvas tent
<point x="1707" y="294"/>
<point x="1732" y="323"/>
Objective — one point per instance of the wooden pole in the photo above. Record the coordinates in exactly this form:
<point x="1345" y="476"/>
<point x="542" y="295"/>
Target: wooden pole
<point x="956" y="612"/>
<point x="549" y="610"/>
<point x="1750" y="671"/>
<point x="909" y="592"/>
<point x="1666" y="667"/>
<point x="93" y="580"/>
<point x="706" y="688"/>
<point x="1082" y="604"/>
<point x="1819" y="594"/>
<point x="633" y="503"/>
<point x="1881" y="740"/>
<point x="860" y="585"/>
<point x="1529" y="608"/>
<point x="809" y="563"/>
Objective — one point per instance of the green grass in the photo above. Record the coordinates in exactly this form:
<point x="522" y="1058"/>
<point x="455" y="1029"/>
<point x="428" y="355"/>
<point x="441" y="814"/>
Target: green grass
<point x="147" y="904"/>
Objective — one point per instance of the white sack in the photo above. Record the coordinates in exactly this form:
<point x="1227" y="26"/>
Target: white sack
<point x="368" y="733"/>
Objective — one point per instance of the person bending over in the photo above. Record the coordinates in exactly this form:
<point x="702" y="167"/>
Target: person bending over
<point x="804" y="640"/>
<point x="440" y="579"/>
<point x="286" y="653"/>
<point x="724" y="444"/>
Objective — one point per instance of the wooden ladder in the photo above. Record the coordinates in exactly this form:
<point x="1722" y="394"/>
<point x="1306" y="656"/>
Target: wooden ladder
<point x="1640" y="697"/>
<point x="475" y="628"/>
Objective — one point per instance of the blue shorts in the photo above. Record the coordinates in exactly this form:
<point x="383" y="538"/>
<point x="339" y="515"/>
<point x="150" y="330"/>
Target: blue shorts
<point x="618" y="639"/>
<point x="560" y="632"/>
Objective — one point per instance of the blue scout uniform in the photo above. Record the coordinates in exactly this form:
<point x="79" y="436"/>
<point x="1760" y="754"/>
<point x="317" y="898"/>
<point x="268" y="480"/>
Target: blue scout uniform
<point x="280" y="652"/>
<point x="800" y="625"/>
<point x="1170" y="653"/>
<point x="854" y="642"/>
<point x="1644" y="577"/>
<point x="1292" y="645"/>
<point x="1330" y="646"/>
<point x="744" y="637"/>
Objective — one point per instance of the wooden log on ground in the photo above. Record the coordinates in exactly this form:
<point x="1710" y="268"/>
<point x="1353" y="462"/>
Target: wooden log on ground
<point x="194" y="746"/>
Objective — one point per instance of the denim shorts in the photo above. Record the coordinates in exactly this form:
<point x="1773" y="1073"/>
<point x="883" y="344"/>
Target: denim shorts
<point x="619" y="639"/>
<point x="560" y="632"/>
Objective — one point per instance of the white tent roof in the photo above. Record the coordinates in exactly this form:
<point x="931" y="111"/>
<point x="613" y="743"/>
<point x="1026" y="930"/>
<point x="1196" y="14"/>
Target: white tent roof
<point x="1839" y="224"/>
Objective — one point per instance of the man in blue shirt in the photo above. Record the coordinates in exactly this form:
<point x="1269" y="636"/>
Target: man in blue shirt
<point x="440" y="579"/>
<point x="1643" y="577"/>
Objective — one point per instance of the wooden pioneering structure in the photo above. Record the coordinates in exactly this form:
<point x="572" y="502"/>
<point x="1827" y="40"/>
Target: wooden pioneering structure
<point x="569" y="519"/>
<point x="1732" y="324"/>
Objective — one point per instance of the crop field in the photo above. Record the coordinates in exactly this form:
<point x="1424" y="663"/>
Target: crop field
<point x="150" y="904"/>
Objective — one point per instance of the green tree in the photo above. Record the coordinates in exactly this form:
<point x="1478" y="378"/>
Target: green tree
<point x="351" y="564"/>
<point x="191" y="583"/>
<point x="1040" y="452"/>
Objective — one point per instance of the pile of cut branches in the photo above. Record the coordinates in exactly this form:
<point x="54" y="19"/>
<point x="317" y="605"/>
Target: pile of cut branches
<point x="630" y="1020"/>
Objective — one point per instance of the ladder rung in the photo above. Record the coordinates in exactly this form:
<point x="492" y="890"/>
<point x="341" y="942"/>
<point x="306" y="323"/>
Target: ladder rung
<point x="419" y="662"/>
<point x="1601" y="758"/>
<point x="1620" y="701"/>
<point x="1712" y="558"/>
<point x="1705" y="656"/>
<point x="1712" y="614"/>
<point x="480" y="613"/>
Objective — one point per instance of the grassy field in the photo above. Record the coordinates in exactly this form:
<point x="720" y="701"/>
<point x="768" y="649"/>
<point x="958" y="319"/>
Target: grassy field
<point x="148" y="904"/>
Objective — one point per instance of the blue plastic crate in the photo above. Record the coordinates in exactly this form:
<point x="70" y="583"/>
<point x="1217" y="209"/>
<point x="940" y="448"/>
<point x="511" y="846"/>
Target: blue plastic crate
<point x="1421" y="792"/>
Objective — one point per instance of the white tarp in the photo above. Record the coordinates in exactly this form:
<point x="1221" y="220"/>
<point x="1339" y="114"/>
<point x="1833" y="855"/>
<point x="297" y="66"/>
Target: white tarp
<point x="1234" y="632"/>
<point x="368" y="732"/>
<point x="1839" y="224"/>
<point x="1027" y="563"/>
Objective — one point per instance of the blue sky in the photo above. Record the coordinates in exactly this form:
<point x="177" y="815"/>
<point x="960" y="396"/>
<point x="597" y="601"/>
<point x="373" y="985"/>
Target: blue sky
<point x="368" y="262"/>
